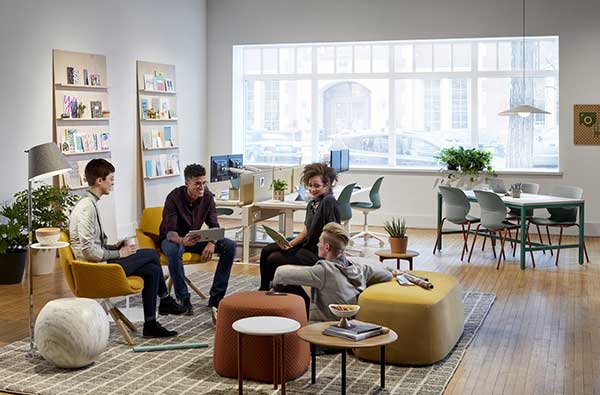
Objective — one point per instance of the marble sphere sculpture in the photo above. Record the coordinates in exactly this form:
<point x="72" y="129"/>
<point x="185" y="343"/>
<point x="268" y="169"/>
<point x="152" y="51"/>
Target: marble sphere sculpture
<point x="72" y="332"/>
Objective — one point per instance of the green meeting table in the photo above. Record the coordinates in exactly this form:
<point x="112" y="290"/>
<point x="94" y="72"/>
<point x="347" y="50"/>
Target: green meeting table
<point x="528" y="201"/>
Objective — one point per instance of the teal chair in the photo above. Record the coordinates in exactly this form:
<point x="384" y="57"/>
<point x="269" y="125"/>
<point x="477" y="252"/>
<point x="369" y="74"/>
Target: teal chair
<point x="493" y="220"/>
<point x="561" y="217"/>
<point x="345" y="207"/>
<point x="224" y="211"/>
<point x="456" y="208"/>
<point x="366" y="208"/>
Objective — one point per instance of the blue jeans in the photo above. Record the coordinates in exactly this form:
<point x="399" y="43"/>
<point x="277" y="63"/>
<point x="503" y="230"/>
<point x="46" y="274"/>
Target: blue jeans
<point x="146" y="264"/>
<point x="174" y="252"/>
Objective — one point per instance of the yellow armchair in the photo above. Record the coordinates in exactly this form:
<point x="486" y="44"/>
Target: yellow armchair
<point x="147" y="235"/>
<point x="100" y="281"/>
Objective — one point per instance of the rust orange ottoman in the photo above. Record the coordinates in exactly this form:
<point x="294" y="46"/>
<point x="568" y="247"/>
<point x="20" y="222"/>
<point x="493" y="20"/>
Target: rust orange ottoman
<point x="258" y="350"/>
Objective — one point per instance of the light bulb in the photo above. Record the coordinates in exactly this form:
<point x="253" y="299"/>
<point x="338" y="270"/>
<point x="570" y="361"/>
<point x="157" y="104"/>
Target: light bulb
<point x="523" y="114"/>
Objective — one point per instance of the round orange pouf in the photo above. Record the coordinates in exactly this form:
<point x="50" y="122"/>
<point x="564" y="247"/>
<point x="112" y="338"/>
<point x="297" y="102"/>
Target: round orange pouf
<point x="257" y="363"/>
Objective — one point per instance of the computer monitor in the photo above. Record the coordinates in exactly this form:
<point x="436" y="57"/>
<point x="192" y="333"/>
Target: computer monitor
<point x="335" y="160"/>
<point x="344" y="160"/>
<point x="236" y="161"/>
<point x="219" y="168"/>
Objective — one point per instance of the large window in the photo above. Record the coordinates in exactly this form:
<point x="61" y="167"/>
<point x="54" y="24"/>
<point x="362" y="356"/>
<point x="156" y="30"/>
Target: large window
<point x="396" y="103"/>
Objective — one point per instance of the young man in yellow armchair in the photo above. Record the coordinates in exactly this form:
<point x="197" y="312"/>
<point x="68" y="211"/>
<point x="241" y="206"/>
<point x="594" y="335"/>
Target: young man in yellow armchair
<point x="89" y="243"/>
<point x="187" y="208"/>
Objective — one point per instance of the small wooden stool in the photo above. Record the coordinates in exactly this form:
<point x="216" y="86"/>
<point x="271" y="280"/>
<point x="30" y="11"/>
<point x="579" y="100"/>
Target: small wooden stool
<point x="408" y="255"/>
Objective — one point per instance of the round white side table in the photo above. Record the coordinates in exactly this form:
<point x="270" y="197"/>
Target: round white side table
<point x="274" y="326"/>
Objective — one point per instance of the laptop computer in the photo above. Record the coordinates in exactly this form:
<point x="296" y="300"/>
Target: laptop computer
<point x="497" y="185"/>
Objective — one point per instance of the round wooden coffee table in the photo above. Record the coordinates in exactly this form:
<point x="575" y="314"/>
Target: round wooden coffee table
<point x="313" y="334"/>
<point x="408" y="255"/>
<point x="273" y="326"/>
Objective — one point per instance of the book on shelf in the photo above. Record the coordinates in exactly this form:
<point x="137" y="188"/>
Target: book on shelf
<point x="159" y="84"/>
<point x="70" y="75"/>
<point x="144" y="108"/>
<point x="155" y="104"/>
<point x="168" y="136"/>
<point x="96" y="108"/>
<point x="95" y="80"/>
<point x="358" y="331"/>
<point x="76" y="77"/>
<point x="169" y="85"/>
<point x="74" y="108"/>
<point x="149" y="82"/>
<point x="86" y="80"/>
<point x="67" y="107"/>
<point x="164" y="108"/>
<point x="147" y="139"/>
<point x="173" y="164"/>
<point x="149" y="165"/>
<point x="104" y="141"/>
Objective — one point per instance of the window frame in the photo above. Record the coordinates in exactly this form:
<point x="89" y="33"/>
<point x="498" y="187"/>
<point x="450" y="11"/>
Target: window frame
<point x="471" y="78"/>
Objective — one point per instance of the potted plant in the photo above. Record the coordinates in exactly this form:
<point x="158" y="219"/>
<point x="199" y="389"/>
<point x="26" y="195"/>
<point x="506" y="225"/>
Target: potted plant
<point x="396" y="229"/>
<point x="465" y="167"/>
<point x="50" y="208"/>
<point x="13" y="242"/>
<point x="279" y="187"/>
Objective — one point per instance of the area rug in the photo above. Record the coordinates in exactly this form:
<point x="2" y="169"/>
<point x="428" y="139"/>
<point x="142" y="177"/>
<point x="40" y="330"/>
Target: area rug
<point x="121" y="371"/>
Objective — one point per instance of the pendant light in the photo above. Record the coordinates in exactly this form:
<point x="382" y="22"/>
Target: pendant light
<point x="523" y="110"/>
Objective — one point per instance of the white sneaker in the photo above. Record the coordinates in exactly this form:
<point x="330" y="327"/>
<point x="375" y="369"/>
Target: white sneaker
<point x="213" y="313"/>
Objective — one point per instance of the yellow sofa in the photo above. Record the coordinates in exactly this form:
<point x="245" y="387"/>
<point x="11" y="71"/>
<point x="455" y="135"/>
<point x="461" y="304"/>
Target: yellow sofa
<point x="147" y="235"/>
<point x="428" y="322"/>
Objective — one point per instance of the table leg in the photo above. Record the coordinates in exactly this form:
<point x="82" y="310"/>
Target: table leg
<point x="239" y="364"/>
<point x="398" y="263"/>
<point x="523" y="237"/>
<point x="275" y="364"/>
<point x="313" y="364"/>
<point x="581" y="232"/>
<point x="439" y="220"/>
<point x="343" y="371"/>
<point x="246" y="244"/>
<point x="410" y="263"/>
<point x="382" y="362"/>
<point x="282" y="360"/>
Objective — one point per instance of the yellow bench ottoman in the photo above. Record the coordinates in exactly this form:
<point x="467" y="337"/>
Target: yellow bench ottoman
<point x="428" y="322"/>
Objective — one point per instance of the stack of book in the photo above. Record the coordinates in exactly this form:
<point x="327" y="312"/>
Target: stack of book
<point x="358" y="331"/>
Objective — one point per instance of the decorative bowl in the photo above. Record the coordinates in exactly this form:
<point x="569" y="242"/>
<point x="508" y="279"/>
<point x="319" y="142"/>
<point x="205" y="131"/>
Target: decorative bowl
<point x="47" y="236"/>
<point x="344" y="311"/>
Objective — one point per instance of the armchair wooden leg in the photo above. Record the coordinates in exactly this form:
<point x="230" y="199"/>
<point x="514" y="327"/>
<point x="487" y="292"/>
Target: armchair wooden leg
<point x="540" y="236"/>
<point x="473" y="244"/>
<point x="117" y="319"/>
<point x="125" y="320"/>
<point x="196" y="289"/>
<point x="550" y="240"/>
<point x="559" y="241"/>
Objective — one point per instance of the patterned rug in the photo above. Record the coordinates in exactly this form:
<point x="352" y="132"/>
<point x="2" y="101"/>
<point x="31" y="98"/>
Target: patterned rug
<point x="121" y="371"/>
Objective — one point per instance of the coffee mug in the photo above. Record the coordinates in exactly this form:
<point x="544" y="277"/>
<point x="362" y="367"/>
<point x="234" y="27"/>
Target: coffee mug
<point x="132" y="241"/>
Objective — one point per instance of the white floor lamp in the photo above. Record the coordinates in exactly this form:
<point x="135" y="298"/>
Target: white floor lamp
<point x="45" y="160"/>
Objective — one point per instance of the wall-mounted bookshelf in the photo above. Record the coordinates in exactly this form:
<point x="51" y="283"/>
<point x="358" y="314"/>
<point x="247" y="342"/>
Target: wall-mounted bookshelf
<point x="80" y="79"/>
<point x="158" y="133"/>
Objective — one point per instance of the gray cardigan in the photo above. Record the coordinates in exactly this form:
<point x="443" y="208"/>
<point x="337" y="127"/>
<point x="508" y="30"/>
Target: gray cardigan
<point x="88" y="241"/>
<point x="338" y="281"/>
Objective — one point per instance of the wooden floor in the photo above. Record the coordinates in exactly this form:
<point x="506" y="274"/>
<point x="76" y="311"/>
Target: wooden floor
<point x="542" y="335"/>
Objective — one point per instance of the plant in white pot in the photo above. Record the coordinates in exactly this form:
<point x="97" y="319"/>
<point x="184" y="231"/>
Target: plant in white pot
<point x="279" y="187"/>
<point x="396" y="230"/>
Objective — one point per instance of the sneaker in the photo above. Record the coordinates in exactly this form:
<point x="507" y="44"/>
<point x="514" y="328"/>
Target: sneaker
<point x="168" y="305"/>
<point x="154" y="329"/>
<point x="213" y="314"/>
<point x="187" y="305"/>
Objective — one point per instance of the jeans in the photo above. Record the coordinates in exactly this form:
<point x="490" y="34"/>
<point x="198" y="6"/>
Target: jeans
<point x="146" y="264"/>
<point x="174" y="252"/>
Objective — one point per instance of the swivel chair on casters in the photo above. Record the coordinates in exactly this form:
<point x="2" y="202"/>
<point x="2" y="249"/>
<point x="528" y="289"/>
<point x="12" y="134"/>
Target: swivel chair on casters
<point x="365" y="208"/>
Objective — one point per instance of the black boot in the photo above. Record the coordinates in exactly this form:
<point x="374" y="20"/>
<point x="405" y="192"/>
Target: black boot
<point x="154" y="329"/>
<point x="187" y="305"/>
<point x="168" y="305"/>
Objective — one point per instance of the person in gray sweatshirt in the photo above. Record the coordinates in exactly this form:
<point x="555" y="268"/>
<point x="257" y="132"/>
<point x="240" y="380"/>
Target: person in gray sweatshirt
<point x="335" y="278"/>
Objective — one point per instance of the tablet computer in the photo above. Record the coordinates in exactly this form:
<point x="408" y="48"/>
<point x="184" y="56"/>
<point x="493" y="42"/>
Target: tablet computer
<point x="213" y="234"/>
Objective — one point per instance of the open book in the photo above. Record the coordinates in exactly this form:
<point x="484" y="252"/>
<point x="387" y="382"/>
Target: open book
<point x="276" y="236"/>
